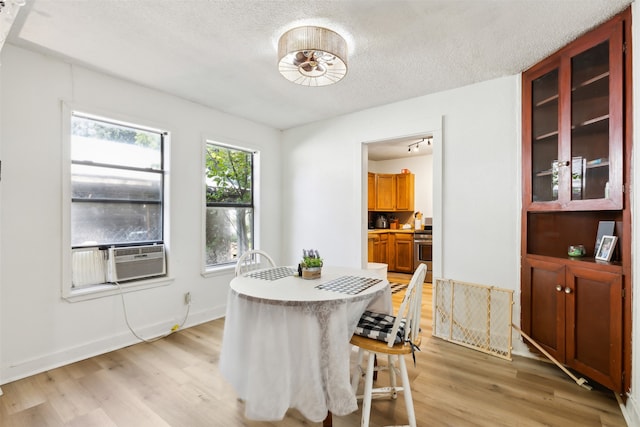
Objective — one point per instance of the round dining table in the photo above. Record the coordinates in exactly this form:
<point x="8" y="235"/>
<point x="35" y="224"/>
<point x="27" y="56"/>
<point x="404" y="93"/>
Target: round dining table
<point x="286" y="339"/>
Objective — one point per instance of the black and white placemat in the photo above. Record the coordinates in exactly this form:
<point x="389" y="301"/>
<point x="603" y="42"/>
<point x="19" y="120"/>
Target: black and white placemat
<point x="350" y="285"/>
<point x="273" y="273"/>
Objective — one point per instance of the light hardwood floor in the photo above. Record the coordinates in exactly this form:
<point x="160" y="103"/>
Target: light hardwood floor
<point x="175" y="382"/>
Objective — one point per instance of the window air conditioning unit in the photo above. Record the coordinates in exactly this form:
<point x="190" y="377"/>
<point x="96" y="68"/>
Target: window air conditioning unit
<point x="136" y="262"/>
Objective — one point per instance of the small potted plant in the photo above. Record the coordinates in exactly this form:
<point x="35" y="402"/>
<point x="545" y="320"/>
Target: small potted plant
<point x="311" y="264"/>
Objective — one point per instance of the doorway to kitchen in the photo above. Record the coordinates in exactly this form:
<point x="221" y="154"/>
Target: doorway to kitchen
<point x="390" y="167"/>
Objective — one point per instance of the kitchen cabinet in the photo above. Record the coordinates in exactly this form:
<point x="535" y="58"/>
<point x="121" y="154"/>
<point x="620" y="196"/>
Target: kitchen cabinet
<point x="383" y="249"/>
<point x="576" y="315"/>
<point x="401" y="252"/>
<point x="385" y="192"/>
<point x="378" y="247"/>
<point x="392" y="248"/>
<point x="405" y="191"/>
<point x="371" y="191"/>
<point x="393" y="192"/>
<point x="576" y="161"/>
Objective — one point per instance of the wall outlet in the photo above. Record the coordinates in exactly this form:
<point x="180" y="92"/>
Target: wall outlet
<point x="187" y="298"/>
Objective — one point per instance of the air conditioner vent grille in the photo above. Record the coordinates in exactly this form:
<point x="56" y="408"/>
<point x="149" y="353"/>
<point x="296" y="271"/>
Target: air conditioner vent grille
<point x="151" y="249"/>
<point x="136" y="262"/>
<point x="126" y="251"/>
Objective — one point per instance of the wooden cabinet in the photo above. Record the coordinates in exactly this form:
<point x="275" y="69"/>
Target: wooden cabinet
<point x="573" y="125"/>
<point x="383" y="249"/>
<point x="575" y="313"/>
<point x="378" y="247"/>
<point x="576" y="161"/>
<point x="405" y="191"/>
<point x="385" y="192"/>
<point x="371" y="246"/>
<point x="371" y="191"/>
<point x="391" y="192"/>
<point x="393" y="249"/>
<point x="401" y="252"/>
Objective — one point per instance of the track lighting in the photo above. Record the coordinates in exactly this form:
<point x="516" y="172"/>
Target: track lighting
<point x="415" y="147"/>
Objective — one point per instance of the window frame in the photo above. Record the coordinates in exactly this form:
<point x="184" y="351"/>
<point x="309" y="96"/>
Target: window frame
<point x="224" y="268"/>
<point x="70" y="293"/>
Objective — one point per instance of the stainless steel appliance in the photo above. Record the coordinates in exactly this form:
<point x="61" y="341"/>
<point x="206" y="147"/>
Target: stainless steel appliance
<point x="422" y="250"/>
<point x="382" y="222"/>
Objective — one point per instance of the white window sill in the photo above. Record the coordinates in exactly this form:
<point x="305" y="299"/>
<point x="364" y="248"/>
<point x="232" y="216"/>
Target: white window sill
<point x="110" y="289"/>
<point x="219" y="271"/>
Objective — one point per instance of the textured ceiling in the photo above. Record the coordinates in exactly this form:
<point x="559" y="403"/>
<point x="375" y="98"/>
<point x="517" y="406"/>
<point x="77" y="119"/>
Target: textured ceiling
<point x="223" y="53"/>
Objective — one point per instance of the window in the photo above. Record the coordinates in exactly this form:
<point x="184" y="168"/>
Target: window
<point x="229" y="203"/>
<point x="117" y="182"/>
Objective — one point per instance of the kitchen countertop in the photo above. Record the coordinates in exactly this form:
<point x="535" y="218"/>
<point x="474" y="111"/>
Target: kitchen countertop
<point x="388" y="230"/>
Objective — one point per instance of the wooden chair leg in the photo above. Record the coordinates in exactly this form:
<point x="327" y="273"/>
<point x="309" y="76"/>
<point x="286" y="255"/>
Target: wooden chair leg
<point x="328" y="422"/>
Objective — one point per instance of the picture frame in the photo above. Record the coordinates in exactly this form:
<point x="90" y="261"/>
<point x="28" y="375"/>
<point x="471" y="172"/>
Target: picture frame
<point x="606" y="248"/>
<point x="605" y="228"/>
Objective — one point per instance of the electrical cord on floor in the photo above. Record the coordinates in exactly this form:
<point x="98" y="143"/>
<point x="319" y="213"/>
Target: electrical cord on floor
<point x="126" y="319"/>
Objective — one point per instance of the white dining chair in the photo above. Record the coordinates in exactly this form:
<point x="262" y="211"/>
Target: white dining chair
<point x="371" y="337"/>
<point x="253" y="259"/>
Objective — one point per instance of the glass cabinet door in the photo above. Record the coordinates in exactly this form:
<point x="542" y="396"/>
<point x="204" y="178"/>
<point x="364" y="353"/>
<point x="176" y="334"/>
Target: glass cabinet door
<point x="590" y="124"/>
<point x="573" y="124"/>
<point x="544" y="137"/>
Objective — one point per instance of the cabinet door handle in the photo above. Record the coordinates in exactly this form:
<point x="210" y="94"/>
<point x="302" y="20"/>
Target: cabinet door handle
<point x="559" y="288"/>
<point x="565" y="163"/>
<point x="567" y="290"/>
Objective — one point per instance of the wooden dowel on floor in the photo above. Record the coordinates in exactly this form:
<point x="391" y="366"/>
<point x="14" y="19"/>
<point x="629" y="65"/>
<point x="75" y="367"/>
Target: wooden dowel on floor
<point x="580" y="381"/>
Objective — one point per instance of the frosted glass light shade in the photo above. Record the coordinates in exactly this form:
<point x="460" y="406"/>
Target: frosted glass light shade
<point x="312" y="56"/>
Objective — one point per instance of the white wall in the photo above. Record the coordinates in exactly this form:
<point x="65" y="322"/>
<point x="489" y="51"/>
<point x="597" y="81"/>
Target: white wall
<point x="422" y="168"/>
<point x="476" y="182"/>
<point x="480" y="179"/>
<point x="40" y="330"/>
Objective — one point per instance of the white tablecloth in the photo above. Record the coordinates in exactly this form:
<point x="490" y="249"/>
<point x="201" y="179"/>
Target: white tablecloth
<point x="286" y="343"/>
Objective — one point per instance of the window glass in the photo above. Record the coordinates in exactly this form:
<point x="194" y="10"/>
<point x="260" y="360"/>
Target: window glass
<point x="106" y="224"/>
<point x="97" y="182"/>
<point x="117" y="183"/>
<point x="229" y="203"/>
<point x="113" y="144"/>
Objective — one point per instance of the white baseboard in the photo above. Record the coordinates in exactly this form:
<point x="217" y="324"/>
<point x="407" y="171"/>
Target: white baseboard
<point x="630" y="412"/>
<point x="21" y="369"/>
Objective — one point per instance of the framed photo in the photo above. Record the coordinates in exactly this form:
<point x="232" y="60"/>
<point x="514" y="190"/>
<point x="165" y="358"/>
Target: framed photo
<point x="606" y="248"/>
<point x="605" y="228"/>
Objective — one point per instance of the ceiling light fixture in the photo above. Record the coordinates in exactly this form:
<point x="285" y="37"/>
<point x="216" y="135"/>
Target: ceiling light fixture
<point x="415" y="147"/>
<point x="312" y="56"/>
